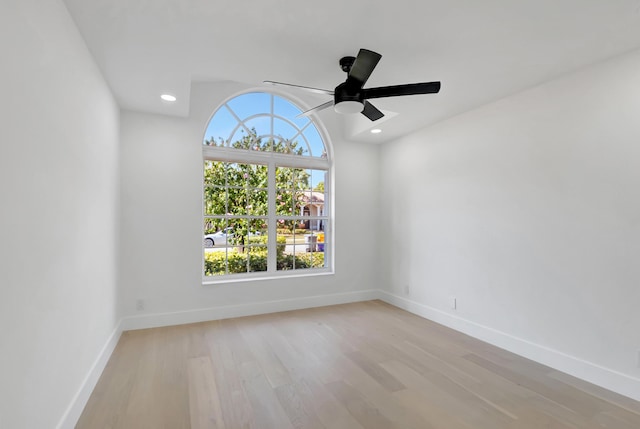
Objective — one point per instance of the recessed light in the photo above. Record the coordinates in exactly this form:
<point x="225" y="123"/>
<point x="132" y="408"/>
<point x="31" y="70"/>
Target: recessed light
<point x="376" y="131"/>
<point x="168" y="97"/>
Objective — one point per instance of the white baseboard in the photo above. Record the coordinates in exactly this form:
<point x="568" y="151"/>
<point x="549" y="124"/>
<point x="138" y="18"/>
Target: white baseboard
<point x="250" y="309"/>
<point x="604" y="377"/>
<point x="72" y="414"/>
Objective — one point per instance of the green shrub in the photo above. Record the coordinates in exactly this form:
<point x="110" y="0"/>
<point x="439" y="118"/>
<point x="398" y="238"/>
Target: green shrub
<point x="308" y="260"/>
<point x="313" y="259"/>
<point x="236" y="262"/>
<point x="258" y="261"/>
<point x="281" y="245"/>
<point x="217" y="263"/>
<point x="214" y="262"/>
<point x="258" y="239"/>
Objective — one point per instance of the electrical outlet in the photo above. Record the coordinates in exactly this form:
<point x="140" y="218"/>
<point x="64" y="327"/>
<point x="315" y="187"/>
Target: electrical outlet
<point x="454" y="303"/>
<point x="140" y="304"/>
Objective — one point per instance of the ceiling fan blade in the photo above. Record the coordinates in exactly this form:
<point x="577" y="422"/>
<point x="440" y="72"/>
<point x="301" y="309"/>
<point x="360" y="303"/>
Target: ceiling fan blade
<point x="306" y="88"/>
<point x="362" y="67"/>
<point x="371" y="112"/>
<point x="397" y="90"/>
<point x="316" y="109"/>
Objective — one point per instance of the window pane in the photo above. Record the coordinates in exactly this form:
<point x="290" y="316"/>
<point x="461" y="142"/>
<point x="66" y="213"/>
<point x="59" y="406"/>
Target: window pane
<point x="322" y="242"/>
<point x="236" y="260"/>
<point x="281" y="146"/>
<point x="284" y="202"/>
<point x="300" y="205"/>
<point x="213" y="225"/>
<point x="220" y="127"/>
<point x="287" y="110"/>
<point x="298" y="147"/>
<point x="301" y="146"/>
<point x="218" y="235"/>
<point x="257" y="257"/>
<point x="214" y="173"/>
<point x="257" y="176"/>
<point x="258" y="231"/>
<point x="215" y="199"/>
<point x="236" y="201"/>
<point x="250" y="104"/>
<point x="300" y="179"/>
<point x="284" y="129"/>
<point x="257" y="203"/>
<point x="242" y="139"/>
<point x="315" y="196"/>
<point x="235" y="175"/>
<point x="317" y="179"/>
<point x="284" y="178"/>
<point x="238" y="235"/>
<point x="260" y="126"/>
<point x="299" y="251"/>
<point x="215" y="263"/>
<point x="285" y="245"/>
<point x="315" y="141"/>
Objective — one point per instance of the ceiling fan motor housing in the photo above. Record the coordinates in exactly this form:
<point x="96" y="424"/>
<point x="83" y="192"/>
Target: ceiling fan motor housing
<point x="348" y="99"/>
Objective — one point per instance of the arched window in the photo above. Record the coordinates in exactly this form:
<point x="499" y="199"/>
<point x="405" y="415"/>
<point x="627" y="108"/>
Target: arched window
<point x="266" y="190"/>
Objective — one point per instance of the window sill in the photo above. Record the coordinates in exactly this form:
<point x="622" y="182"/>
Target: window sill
<point x="241" y="278"/>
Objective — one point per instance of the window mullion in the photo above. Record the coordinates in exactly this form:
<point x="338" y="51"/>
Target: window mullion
<point x="271" y="225"/>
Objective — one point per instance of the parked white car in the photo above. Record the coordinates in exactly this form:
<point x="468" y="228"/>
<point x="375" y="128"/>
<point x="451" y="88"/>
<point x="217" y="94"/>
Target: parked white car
<point x="218" y="238"/>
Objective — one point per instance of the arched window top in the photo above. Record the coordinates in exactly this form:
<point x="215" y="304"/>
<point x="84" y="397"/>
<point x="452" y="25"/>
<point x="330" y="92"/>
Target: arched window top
<point x="264" y="122"/>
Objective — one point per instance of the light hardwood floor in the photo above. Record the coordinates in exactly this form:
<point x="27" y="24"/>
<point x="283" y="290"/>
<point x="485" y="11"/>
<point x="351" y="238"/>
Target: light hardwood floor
<point x="364" y="365"/>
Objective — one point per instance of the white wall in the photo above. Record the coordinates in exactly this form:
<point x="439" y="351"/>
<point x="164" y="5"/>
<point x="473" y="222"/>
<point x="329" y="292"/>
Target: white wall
<point x="162" y="224"/>
<point x="58" y="216"/>
<point x="527" y="211"/>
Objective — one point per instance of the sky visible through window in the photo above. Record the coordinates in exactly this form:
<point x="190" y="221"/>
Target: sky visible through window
<point x="256" y="111"/>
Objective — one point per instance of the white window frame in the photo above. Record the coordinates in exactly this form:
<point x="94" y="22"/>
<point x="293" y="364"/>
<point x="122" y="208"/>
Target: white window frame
<point x="273" y="160"/>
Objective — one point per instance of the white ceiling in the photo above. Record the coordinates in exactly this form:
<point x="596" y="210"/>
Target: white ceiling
<point x="481" y="50"/>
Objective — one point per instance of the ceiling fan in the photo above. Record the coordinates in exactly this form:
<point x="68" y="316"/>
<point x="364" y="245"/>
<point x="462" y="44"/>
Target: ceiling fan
<point x="351" y="96"/>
